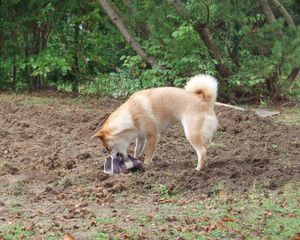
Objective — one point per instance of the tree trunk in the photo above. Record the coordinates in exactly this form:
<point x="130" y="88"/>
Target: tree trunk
<point x="270" y="18"/>
<point x="118" y="21"/>
<point x="272" y="83"/>
<point x="213" y="50"/>
<point x="284" y="13"/>
<point x="2" y="40"/>
<point x="142" y="27"/>
<point x="206" y="37"/>
<point x="45" y="31"/>
<point x="178" y="5"/>
<point x="293" y="74"/>
<point x="27" y="52"/>
<point x="128" y="4"/>
<point x="75" y="74"/>
<point x="295" y="71"/>
<point x="14" y="71"/>
<point x="37" y="81"/>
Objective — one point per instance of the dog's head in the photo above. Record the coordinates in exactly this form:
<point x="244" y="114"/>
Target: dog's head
<point x="105" y="139"/>
<point x="114" y="142"/>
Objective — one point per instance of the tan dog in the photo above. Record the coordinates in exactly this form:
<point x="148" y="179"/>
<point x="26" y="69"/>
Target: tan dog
<point x="148" y="113"/>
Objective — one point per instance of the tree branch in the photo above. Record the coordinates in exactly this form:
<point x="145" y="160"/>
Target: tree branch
<point x="270" y="18"/>
<point x="177" y="4"/>
<point x="205" y="35"/>
<point x="284" y="13"/>
<point x="272" y="80"/>
<point x="295" y="71"/>
<point x="118" y="21"/>
<point x="207" y="10"/>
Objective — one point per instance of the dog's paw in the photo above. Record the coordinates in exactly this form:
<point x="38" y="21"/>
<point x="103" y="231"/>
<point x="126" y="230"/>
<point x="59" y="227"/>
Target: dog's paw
<point x="199" y="168"/>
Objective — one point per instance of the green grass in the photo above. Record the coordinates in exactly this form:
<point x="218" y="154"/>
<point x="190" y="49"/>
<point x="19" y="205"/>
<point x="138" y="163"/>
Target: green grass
<point x="31" y="101"/>
<point x="224" y="215"/>
<point x="290" y="116"/>
<point x="106" y="220"/>
<point x="53" y="236"/>
<point x="14" y="231"/>
<point x="100" y="236"/>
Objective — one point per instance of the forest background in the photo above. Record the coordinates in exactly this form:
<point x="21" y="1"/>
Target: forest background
<point x="119" y="46"/>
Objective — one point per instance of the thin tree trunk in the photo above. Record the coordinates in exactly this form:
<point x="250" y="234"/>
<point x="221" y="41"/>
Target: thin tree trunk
<point x="213" y="50"/>
<point x="284" y="13"/>
<point x="27" y="53"/>
<point x="178" y="5"/>
<point x="37" y="81"/>
<point x="270" y="18"/>
<point x="75" y="87"/>
<point x="293" y="74"/>
<point x="295" y="71"/>
<point x="128" y="4"/>
<point x="2" y="40"/>
<point x="142" y="28"/>
<point x="14" y="71"/>
<point x="118" y="21"/>
<point x="271" y="81"/>
<point x="206" y="37"/>
<point x="45" y="31"/>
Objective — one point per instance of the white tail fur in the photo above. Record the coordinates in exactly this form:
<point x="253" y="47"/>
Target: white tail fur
<point x="203" y="85"/>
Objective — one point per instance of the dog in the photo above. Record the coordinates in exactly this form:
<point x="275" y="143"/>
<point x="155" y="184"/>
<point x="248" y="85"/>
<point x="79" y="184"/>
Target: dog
<point x="148" y="113"/>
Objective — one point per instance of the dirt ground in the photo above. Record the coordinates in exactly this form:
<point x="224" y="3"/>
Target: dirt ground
<point x="51" y="173"/>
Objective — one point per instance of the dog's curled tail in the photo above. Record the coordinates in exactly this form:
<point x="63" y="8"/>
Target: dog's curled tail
<point x="203" y="85"/>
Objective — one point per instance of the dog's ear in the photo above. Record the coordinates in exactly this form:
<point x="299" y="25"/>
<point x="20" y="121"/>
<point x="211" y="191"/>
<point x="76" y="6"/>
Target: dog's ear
<point x="100" y="134"/>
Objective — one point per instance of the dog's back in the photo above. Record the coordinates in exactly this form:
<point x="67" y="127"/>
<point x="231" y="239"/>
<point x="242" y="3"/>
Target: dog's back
<point x="166" y="105"/>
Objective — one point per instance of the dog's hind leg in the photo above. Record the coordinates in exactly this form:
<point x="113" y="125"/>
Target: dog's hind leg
<point x="191" y="128"/>
<point x="198" y="145"/>
<point x="140" y="146"/>
<point x="201" y="153"/>
<point x="152" y="140"/>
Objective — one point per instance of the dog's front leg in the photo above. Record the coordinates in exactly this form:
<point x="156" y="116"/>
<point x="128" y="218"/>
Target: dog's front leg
<point x="152" y="141"/>
<point x="139" y="146"/>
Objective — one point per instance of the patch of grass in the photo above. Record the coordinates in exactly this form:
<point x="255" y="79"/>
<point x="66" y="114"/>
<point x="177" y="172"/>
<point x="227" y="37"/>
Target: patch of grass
<point x="216" y="145"/>
<point x="32" y="100"/>
<point x="224" y="215"/>
<point x="289" y="116"/>
<point x="99" y="236"/>
<point x="16" y="187"/>
<point x="219" y="134"/>
<point x="14" y="231"/>
<point x="16" y="205"/>
<point x="106" y="220"/>
<point x="164" y="190"/>
<point x="53" y="236"/>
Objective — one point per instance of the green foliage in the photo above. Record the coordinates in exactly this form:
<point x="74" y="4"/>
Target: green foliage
<point x="47" y="62"/>
<point x="74" y="45"/>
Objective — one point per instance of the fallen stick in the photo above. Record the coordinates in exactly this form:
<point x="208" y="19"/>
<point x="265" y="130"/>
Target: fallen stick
<point x="229" y="106"/>
<point x="259" y="112"/>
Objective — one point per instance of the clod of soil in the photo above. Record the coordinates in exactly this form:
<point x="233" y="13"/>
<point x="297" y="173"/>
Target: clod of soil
<point x="8" y="168"/>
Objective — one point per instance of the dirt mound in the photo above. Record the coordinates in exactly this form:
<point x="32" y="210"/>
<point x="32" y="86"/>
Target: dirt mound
<point x="51" y="143"/>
